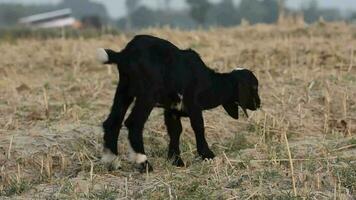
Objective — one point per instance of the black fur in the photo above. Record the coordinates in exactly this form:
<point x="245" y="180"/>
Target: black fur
<point x="156" y="73"/>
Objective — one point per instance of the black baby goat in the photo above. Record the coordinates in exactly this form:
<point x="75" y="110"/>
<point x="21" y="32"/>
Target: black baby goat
<point x="155" y="73"/>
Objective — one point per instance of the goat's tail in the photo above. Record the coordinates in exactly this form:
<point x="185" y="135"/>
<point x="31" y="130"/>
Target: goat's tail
<point x="107" y="56"/>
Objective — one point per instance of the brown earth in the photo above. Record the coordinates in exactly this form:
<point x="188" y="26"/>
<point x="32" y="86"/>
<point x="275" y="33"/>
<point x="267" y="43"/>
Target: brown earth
<point x="54" y="96"/>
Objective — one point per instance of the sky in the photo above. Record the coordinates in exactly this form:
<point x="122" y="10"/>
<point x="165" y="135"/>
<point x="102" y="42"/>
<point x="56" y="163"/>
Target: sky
<point x="116" y="8"/>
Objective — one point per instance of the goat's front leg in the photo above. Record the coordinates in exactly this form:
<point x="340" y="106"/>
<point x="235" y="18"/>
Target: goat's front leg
<point x="197" y="123"/>
<point x="135" y="123"/>
<point x="174" y="129"/>
<point x="113" y="123"/>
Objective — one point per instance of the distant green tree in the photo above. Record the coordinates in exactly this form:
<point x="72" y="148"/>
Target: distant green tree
<point x="131" y="6"/>
<point x="353" y="16"/>
<point x="259" y="11"/>
<point x="11" y="13"/>
<point x="272" y="7"/>
<point x="143" y="17"/>
<point x="312" y="13"/>
<point x="167" y="4"/>
<point x="224" y="13"/>
<point x="199" y="10"/>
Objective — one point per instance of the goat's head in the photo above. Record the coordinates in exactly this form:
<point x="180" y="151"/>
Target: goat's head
<point x="246" y="88"/>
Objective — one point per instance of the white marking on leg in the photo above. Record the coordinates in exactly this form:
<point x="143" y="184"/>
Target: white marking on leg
<point x="108" y="156"/>
<point x="102" y="56"/>
<point x="140" y="158"/>
<point x="179" y="105"/>
<point x="134" y="157"/>
<point x="132" y="153"/>
<point x="111" y="159"/>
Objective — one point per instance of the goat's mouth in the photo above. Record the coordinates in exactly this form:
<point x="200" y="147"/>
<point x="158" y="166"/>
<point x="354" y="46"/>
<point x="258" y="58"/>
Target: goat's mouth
<point x="255" y="106"/>
<point x="245" y="111"/>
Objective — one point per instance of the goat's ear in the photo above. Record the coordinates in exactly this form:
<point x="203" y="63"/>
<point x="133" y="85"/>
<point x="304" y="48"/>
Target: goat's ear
<point x="232" y="109"/>
<point x="244" y="95"/>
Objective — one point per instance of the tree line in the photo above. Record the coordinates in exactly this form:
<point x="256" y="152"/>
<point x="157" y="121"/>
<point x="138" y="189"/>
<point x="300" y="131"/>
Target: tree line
<point x="200" y="13"/>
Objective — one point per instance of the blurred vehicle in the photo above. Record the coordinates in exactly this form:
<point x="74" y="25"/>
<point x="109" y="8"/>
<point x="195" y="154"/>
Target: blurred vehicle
<point x="53" y="19"/>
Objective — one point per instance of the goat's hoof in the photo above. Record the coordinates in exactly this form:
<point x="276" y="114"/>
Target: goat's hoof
<point x="144" y="167"/>
<point x="111" y="161"/>
<point x="177" y="161"/>
<point x="207" y="155"/>
<point x="114" y="166"/>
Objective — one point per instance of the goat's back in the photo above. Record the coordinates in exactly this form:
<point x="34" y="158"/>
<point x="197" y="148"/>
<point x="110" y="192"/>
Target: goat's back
<point x="163" y="64"/>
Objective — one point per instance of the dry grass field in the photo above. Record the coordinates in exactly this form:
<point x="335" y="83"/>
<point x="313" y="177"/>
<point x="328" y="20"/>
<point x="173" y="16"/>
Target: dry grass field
<point x="301" y="145"/>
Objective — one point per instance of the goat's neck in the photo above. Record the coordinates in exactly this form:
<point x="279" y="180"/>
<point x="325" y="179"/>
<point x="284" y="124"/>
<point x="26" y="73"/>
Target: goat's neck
<point x="220" y="90"/>
<point x="223" y="85"/>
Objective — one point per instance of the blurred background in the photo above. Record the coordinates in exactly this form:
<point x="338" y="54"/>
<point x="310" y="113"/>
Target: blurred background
<point x="126" y="15"/>
<point x="54" y="96"/>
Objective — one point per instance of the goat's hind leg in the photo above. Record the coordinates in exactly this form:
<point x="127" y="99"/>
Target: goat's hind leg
<point x="135" y="123"/>
<point x="113" y="123"/>
<point x="174" y="129"/>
